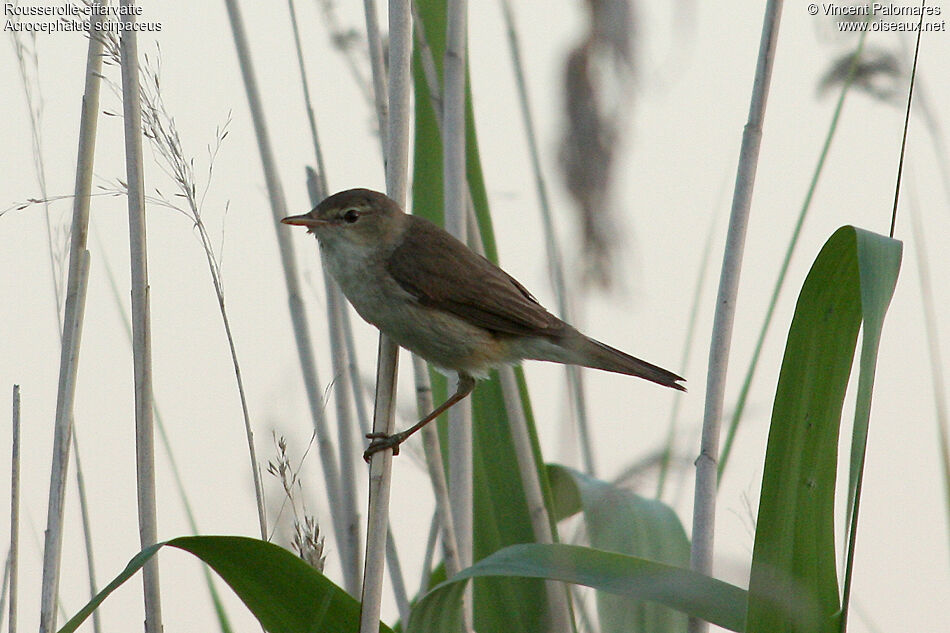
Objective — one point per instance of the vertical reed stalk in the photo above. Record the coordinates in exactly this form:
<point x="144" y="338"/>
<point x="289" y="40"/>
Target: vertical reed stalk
<point x="380" y="481"/>
<point x="35" y="105"/>
<point x="86" y="531"/>
<point x="786" y="262"/>
<point x="397" y="172"/>
<point x="704" y="502"/>
<point x="380" y="96"/>
<point x="13" y="564"/>
<point x="433" y="453"/>
<point x="559" y="614"/>
<point x="72" y="332"/>
<point x="141" y="326"/>
<point x="455" y="190"/>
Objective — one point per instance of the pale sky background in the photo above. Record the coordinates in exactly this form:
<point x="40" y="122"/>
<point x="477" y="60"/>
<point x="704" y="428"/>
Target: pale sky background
<point x="695" y="63"/>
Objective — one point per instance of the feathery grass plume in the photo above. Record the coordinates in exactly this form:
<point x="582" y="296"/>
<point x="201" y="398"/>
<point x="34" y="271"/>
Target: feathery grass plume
<point x="307" y="541"/>
<point x="158" y="126"/>
<point x="309" y="544"/>
<point x="598" y="80"/>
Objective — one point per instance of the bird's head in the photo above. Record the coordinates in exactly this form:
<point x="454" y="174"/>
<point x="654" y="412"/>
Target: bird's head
<point x="361" y="218"/>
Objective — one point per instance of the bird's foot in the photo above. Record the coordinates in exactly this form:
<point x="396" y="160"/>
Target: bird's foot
<point x="381" y="442"/>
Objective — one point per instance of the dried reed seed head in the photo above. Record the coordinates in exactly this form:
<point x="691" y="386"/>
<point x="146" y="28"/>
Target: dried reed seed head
<point x="308" y="543"/>
<point x="598" y="81"/>
<point x="876" y="72"/>
<point x="588" y="150"/>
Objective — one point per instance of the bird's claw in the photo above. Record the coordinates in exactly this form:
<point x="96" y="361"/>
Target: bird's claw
<point x="382" y="441"/>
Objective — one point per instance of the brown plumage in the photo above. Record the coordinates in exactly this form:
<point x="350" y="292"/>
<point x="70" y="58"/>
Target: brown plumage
<point x="436" y="297"/>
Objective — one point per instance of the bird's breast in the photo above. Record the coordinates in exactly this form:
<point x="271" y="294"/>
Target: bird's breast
<point x="440" y="337"/>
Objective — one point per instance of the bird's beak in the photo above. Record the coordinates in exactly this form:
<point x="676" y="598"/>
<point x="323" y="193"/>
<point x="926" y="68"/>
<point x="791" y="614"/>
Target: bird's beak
<point x="306" y="220"/>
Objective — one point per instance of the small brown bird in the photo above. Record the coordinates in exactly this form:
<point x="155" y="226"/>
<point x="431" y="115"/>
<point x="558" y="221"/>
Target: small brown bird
<point x="434" y="296"/>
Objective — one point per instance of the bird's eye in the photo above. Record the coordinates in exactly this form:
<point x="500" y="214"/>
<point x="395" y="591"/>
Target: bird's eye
<point x="351" y="216"/>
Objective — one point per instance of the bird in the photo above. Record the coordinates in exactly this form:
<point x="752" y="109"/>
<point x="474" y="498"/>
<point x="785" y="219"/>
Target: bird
<point x="434" y="296"/>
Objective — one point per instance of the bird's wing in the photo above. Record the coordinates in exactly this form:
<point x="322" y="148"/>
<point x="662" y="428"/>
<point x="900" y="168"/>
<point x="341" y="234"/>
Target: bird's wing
<point x="453" y="278"/>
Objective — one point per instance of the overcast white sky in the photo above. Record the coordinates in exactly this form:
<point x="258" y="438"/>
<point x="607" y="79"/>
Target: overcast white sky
<point x="695" y="72"/>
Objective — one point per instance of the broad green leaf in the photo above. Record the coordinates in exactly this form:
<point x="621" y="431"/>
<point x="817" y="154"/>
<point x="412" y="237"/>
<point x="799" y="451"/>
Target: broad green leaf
<point x="793" y="585"/>
<point x="618" y="520"/>
<point x="633" y="578"/>
<point x="501" y="514"/>
<point x="284" y="593"/>
<point x="879" y="262"/>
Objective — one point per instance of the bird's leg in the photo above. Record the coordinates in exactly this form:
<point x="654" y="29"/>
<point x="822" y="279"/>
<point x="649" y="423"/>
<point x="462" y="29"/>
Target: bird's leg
<point x="382" y="441"/>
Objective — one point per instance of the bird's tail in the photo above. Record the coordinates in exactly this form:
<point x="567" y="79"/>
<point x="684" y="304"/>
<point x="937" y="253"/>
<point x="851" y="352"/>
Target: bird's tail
<point x="597" y="355"/>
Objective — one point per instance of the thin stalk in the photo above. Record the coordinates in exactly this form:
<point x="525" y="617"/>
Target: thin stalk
<point x="159" y="127"/>
<point x="86" y="530"/>
<point x="559" y="613"/>
<point x="440" y="488"/>
<point x="278" y="207"/>
<point x="856" y="483"/>
<point x="169" y="453"/>
<point x="687" y="352"/>
<point x="454" y="193"/>
<point x="429" y="71"/>
<point x="72" y="335"/>
<point x="425" y="578"/>
<point x="3" y="587"/>
<point x="141" y="320"/>
<point x="348" y="446"/>
<point x="704" y="502"/>
<point x="380" y="96"/>
<point x="397" y="170"/>
<point x="72" y="331"/>
<point x="396" y="577"/>
<point x="582" y="608"/>
<point x="345" y="368"/>
<point x="380" y="481"/>
<point x="381" y="103"/>
<point x="433" y="450"/>
<point x="575" y="386"/>
<point x="12" y="557"/>
<point x="353" y="369"/>
<point x="453" y="118"/>
<point x="558" y="599"/>
<point x="321" y="187"/>
<point x="242" y="396"/>
<point x="35" y="107"/>
<point x="910" y="100"/>
<point x="793" y="243"/>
